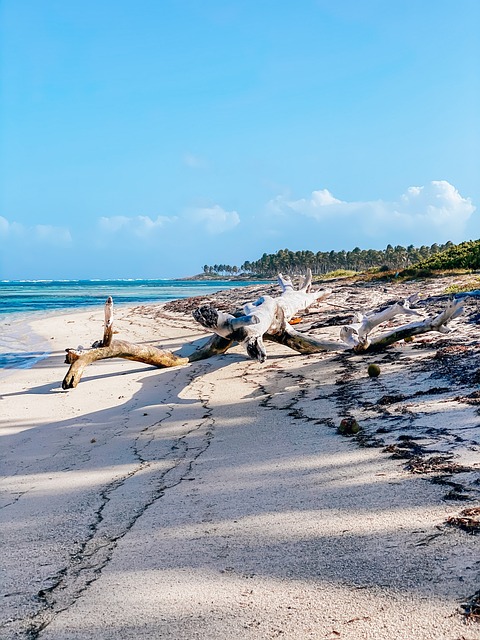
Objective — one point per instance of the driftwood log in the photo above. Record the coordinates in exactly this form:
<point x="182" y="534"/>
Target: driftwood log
<point x="78" y="359"/>
<point x="266" y="319"/>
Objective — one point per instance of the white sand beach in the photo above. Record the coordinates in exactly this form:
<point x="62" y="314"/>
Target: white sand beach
<point x="217" y="500"/>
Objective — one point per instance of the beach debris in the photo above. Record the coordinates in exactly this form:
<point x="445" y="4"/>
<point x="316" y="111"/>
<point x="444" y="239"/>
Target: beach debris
<point x="266" y="319"/>
<point x="453" y="350"/>
<point x="471" y="608"/>
<point x="349" y="427"/>
<point x="357" y="334"/>
<point x="436" y="464"/>
<point x="468" y="520"/>
<point x="471" y="398"/>
<point x="373" y="370"/>
<point x="407" y="449"/>
<point x="109" y="348"/>
<point x="391" y="399"/>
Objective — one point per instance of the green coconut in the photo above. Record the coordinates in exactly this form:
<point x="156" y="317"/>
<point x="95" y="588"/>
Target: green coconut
<point x="348" y="427"/>
<point x="373" y="370"/>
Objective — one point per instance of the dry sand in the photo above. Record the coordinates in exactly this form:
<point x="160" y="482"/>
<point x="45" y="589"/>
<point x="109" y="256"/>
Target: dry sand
<point x="217" y="500"/>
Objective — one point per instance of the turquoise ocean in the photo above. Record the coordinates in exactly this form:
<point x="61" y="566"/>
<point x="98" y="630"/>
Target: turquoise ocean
<point x="20" y="301"/>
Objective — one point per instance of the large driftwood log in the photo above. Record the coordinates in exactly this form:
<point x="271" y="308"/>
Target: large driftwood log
<point x="265" y="319"/>
<point x="79" y="359"/>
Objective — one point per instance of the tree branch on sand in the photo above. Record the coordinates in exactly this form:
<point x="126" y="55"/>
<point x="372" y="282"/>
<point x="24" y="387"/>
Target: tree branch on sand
<point x="79" y="359"/>
<point x="266" y="319"/>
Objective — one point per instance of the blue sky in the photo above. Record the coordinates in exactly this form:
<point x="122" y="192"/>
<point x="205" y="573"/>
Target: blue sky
<point x="147" y="138"/>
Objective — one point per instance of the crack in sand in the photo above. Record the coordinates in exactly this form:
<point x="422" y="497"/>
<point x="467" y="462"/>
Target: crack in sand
<point x="94" y="554"/>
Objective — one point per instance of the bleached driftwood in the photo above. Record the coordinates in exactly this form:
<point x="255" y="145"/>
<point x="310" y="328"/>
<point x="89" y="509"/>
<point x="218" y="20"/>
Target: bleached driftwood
<point x="107" y="326"/>
<point x="356" y="334"/>
<point x="438" y="323"/>
<point x="79" y="359"/>
<point x="265" y="319"/>
<point x="266" y="316"/>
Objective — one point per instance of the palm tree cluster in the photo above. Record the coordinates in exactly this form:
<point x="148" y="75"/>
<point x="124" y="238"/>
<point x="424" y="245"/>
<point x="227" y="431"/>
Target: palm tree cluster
<point x="220" y="269"/>
<point x="296" y="262"/>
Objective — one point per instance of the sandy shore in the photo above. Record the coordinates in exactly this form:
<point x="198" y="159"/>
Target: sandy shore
<point x="217" y="500"/>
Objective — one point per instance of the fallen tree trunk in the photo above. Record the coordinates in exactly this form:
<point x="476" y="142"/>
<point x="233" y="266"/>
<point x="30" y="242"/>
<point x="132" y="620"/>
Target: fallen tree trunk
<point x="265" y="319"/>
<point x="439" y="323"/>
<point x="215" y="346"/>
<point x="304" y="343"/>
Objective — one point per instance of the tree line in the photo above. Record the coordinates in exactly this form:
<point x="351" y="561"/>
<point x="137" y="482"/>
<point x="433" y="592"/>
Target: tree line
<point x="296" y="262"/>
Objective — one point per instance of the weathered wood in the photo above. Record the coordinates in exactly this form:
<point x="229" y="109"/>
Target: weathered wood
<point x="304" y="343"/>
<point x="266" y="316"/>
<point x="215" y="346"/>
<point x="108" y="326"/>
<point x="266" y="319"/>
<point x="307" y="344"/>
<point x="79" y="360"/>
<point x="439" y="323"/>
<point x="356" y="335"/>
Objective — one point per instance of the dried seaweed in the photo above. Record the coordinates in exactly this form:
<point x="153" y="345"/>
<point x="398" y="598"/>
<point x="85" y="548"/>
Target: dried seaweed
<point x="392" y="399"/>
<point x="471" y="607"/>
<point x="453" y="350"/>
<point x="408" y="449"/>
<point x="435" y="464"/>
<point x="468" y="520"/>
<point x="471" y="398"/>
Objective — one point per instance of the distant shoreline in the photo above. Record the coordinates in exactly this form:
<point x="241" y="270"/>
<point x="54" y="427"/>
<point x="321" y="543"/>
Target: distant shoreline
<point x="203" y="277"/>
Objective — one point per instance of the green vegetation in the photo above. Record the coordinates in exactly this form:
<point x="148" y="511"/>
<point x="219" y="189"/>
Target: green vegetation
<point x="470" y="285"/>
<point x="403" y="262"/>
<point x="462" y="256"/>
<point x="325" y="262"/>
<point x="339" y="273"/>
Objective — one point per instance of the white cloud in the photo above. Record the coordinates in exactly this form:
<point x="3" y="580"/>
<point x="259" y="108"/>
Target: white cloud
<point x="432" y="212"/>
<point x="214" y="219"/>
<point x="138" y="226"/>
<point x="438" y="203"/>
<point x="37" y="234"/>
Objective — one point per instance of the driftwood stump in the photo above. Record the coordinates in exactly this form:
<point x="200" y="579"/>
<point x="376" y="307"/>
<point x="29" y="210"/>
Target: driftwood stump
<point x="267" y="319"/>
